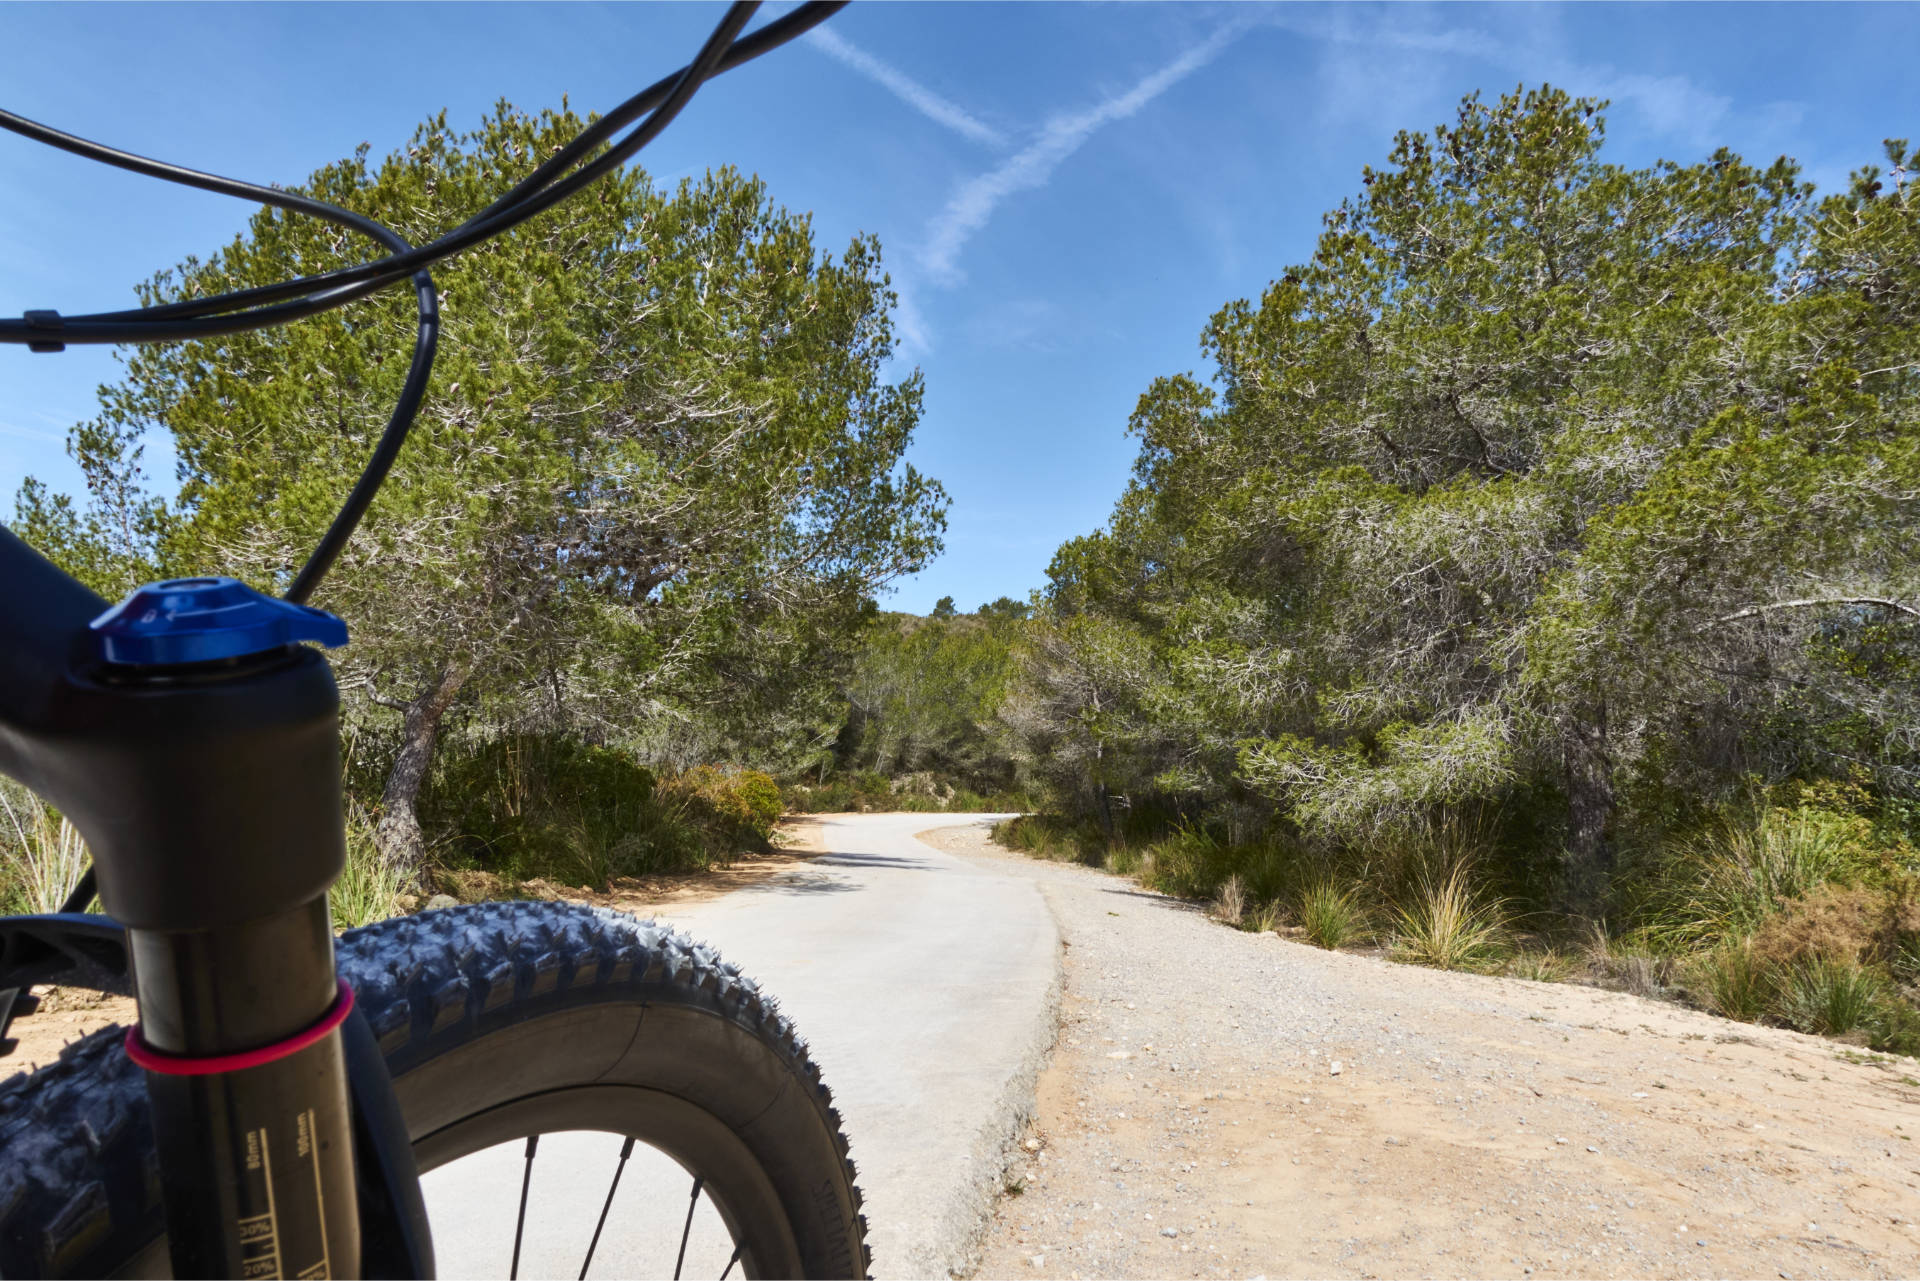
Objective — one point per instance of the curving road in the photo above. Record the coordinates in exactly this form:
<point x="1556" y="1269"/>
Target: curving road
<point x="926" y="986"/>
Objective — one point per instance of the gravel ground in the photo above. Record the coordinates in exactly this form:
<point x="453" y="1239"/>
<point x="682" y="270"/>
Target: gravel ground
<point x="1229" y="1104"/>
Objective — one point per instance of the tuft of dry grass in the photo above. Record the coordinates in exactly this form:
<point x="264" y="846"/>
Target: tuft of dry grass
<point x="1230" y="903"/>
<point x="1449" y="924"/>
<point x="1263" y="919"/>
<point x="1549" y="966"/>
<point x="42" y="852"/>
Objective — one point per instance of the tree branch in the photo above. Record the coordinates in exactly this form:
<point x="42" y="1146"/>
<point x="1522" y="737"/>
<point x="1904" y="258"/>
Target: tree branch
<point x="1754" y="610"/>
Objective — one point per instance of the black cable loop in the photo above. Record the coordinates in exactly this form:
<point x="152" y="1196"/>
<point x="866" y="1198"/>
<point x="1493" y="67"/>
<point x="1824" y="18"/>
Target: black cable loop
<point x="533" y="194"/>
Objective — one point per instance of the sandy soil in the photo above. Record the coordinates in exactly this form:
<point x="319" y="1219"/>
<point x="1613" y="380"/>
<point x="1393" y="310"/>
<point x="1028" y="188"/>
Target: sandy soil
<point x="67" y="1014"/>
<point x="1221" y="1103"/>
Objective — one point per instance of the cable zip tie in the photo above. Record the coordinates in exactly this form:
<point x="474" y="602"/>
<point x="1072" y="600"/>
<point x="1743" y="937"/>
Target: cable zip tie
<point x="50" y="321"/>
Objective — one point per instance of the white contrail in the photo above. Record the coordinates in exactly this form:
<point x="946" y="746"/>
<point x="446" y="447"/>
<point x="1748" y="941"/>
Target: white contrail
<point x="908" y="90"/>
<point x="1063" y="135"/>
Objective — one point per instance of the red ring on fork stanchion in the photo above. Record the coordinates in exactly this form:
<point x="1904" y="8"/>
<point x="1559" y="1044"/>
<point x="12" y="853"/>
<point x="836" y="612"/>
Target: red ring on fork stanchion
<point x="184" y="1065"/>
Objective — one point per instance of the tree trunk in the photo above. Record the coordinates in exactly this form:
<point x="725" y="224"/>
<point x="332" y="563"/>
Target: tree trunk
<point x="398" y="832"/>
<point x="1587" y="871"/>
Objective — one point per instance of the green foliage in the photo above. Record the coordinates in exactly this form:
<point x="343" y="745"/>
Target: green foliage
<point x="527" y="806"/>
<point x="1330" y="913"/>
<point x="369" y="888"/>
<point x="1547" y="491"/>
<point x="548" y="805"/>
<point x="870" y="792"/>
<point x="1832" y="998"/>
<point x="1735" y="980"/>
<point x="1450" y="924"/>
<point x="655" y="483"/>
<point x="918" y="729"/>
<point x="742" y="804"/>
<point x="1547" y="966"/>
<point x="1747" y="865"/>
<point x="1048" y="837"/>
<point x="41" y="854"/>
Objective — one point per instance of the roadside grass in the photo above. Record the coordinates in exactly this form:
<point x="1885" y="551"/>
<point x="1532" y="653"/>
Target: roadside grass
<point x="1331" y="914"/>
<point x="1450" y="924"/>
<point x="1745" y="867"/>
<point x="872" y="792"/>
<point x="1636" y="961"/>
<point x="531" y="807"/>
<point x="369" y="887"/>
<point x="1734" y="982"/>
<point x="1230" y="902"/>
<point x="1830" y="997"/>
<point x="1800" y="918"/>
<point x="1545" y="966"/>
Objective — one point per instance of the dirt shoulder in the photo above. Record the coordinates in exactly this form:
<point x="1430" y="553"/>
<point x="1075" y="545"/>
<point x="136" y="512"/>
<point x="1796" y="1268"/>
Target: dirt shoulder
<point x="67" y="1014"/>
<point x="1221" y="1103"/>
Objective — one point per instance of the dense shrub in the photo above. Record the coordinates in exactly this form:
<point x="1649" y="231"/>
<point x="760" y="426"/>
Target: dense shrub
<point x="526" y="806"/>
<point x="871" y="792"/>
<point x="1855" y="924"/>
<point x="741" y="804"/>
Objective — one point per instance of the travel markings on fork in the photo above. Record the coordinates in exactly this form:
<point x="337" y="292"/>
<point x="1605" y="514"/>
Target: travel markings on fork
<point x="260" y="1233"/>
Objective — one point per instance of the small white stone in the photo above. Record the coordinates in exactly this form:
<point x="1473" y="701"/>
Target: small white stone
<point x="1335" y="1069"/>
<point x="1169" y="1232"/>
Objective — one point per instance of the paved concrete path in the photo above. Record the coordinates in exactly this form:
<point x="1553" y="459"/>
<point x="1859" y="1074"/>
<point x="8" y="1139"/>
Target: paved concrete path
<point x="926" y="985"/>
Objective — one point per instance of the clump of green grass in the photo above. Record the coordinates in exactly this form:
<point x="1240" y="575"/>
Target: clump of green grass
<point x="1054" y="839"/>
<point x="1898" y="1031"/>
<point x="1449" y="924"/>
<point x="369" y="887"/>
<point x="1263" y="919"/>
<point x="1548" y="966"/>
<point x="1735" y="981"/>
<point x="1832" y="997"/>
<point x="1727" y="881"/>
<point x="1331" y="914"/>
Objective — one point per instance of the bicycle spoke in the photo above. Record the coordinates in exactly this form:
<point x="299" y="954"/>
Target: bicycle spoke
<point x="526" y="1181"/>
<point x="626" y="1150"/>
<point x="730" y="1262"/>
<point x="688" y="1230"/>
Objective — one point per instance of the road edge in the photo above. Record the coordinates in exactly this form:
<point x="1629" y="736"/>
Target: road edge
<point x="969" y="1216"/>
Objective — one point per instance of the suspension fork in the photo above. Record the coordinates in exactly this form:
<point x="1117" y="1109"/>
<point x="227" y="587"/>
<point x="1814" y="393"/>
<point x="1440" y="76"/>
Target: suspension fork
<point x="234" y="770"/>
<point x="208" y="788"/>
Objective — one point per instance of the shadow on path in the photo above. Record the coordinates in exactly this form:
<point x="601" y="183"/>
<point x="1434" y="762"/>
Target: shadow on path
<point x="872" y="860"/>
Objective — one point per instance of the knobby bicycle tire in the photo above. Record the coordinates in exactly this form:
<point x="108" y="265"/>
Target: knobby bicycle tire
<point x="493" y="1018"/>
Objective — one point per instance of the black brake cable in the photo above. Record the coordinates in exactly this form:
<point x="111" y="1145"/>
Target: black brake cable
<point x="368" y="278"/>
<point x="537" y="192"/>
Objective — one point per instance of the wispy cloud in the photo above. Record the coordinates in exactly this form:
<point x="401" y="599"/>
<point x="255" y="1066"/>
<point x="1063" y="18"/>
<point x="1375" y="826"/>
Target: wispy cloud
<point x="1673" y="105"/>
<point x="908" y="321"/>
<point x="906" y="88"/>
<point x="973" y="204"/>
<point x="32" y="433"/>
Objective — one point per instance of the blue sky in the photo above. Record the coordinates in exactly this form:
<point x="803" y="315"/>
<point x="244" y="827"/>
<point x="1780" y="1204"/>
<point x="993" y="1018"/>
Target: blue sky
<point x="1065" y="193"/>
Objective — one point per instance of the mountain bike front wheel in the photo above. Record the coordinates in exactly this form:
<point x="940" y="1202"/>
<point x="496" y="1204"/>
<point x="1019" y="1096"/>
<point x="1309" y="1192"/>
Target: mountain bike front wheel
<point x="507" y="1027"/>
